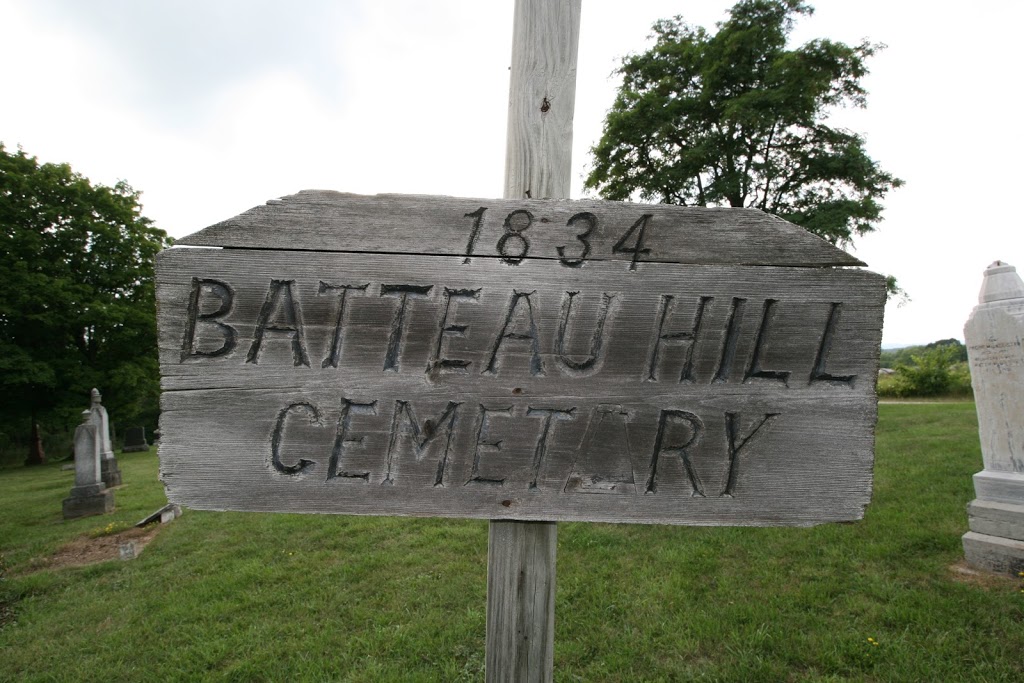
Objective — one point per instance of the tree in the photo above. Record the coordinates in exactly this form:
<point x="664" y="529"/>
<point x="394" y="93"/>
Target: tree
<point x="736" y="118"/>
<point x="77" y="300"/>
<point x="934" y="371"/>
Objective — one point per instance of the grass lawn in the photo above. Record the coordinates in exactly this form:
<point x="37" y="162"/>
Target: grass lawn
<point x="252" y="597"/>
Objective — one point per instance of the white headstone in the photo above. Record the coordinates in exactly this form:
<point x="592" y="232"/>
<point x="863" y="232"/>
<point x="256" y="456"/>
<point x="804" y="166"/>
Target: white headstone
<point x="994" y="333"/>
<point x="87" y="453"/>
<point x="102" y="421"/>
<point x="89" y="495"/>
<point x="110" y="471"/>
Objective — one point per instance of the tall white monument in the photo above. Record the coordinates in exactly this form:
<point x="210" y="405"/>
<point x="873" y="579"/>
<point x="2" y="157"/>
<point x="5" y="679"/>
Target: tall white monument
<point x="108" y="463"/>
<point x="994" y="333"/>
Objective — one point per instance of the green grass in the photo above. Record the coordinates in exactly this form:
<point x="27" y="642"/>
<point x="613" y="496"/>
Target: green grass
<point x="250" y="597"/>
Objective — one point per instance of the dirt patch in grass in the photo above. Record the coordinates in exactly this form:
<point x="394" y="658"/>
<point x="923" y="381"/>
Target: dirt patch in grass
<point x="965" y="573"/>
<point x="86" y="550"/>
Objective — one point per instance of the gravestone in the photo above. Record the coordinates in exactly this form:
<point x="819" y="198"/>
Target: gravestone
<point x="89" y="495"/>
<point x="108" y="463"/>
<point x="36" y="455"/>
<point x="993" y="334"/>
<point x="135" y="440"/>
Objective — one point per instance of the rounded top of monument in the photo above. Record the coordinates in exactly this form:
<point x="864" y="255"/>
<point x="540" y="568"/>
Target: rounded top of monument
<point x="1001" y="282"/>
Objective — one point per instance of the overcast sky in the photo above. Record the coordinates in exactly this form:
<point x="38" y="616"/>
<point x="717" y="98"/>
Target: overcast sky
<point x="211" y="107"/>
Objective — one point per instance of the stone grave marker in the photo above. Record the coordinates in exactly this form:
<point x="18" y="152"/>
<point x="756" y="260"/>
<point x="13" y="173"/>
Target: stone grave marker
<point x="36" y="454"/>
<point x="89" y="495"/>
<point x="994" y="334"/>
<point x="99" y="418"/>
<point x="135" y="440"/>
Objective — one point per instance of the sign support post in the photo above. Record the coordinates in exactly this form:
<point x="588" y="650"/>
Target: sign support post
<point x="538" y="162"/>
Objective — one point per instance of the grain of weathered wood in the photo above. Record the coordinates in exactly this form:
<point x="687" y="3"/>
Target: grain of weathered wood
<point x="640" y="320"/>
<point x="759" y="381"/>
<point x="418" y="224"/>
<point x="523" y="554"/>
<point x="542" y="97"/>
<point x="661" y="458"/>
<point x="538" y="160"/>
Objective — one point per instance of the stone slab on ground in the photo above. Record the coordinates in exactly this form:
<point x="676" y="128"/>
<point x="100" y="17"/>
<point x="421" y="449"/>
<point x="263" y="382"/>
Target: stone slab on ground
<point x="168" y="513"/>
<point x="994" y="553"/>
<point x="98" y="503"/>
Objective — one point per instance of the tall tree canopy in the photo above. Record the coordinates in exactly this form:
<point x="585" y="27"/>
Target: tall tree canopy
<point x="76" y="296"/>
<point x="737" y="118"/>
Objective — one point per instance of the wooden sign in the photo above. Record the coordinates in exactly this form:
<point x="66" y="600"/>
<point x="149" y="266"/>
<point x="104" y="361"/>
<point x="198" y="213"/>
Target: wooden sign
<point x="517" y="359"/>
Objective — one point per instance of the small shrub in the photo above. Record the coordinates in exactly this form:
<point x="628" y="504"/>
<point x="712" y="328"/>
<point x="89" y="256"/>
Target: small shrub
<point x="933" y="372"/>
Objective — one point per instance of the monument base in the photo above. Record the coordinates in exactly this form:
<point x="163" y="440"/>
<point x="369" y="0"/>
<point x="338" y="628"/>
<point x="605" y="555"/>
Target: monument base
<point x="110" y="472"/>
<point x="85" y="501"/>
<point x="996" y="519"/>
<point x="1004" y="487"/>
<point x="994" y="553"/>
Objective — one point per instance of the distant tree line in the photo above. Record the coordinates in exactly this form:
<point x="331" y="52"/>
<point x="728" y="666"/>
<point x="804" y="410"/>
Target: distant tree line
<point x="891" y="358"/>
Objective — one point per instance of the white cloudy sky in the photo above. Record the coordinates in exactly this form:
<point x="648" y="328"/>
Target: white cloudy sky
<point x="211" y="107"/>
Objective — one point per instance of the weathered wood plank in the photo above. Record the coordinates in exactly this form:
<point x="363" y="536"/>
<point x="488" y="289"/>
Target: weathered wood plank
<point x="542" y="99"/>
<point x="565" y="230"/>
<point x="443" y="322"/>
<point x="520" y="601"/>
<point x="783" y="459"/>
<point x="538" y="160"/>
<point x="424" y="385"/>
<point x="721" y="459"/>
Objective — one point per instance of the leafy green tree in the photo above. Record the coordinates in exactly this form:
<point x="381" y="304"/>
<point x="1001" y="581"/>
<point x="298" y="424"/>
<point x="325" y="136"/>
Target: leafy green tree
<point x="737" y="118"/>
<point x="77" y="302"/>
<point x="959" y="354"/>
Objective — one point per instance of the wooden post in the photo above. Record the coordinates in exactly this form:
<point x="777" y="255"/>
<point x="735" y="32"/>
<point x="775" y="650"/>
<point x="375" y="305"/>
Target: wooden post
<point x="538" y="163"/>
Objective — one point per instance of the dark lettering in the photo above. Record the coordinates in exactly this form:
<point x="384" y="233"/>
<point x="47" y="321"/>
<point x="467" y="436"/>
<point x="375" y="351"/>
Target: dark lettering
<point x="736" y="444"/>
<point x="403" y="292"/>
<point x="437" y="361"/>
<point x="222" y="291"/>
<point x="478" y="217"/>
<point x="280" y="313"/>
<point x="696" y="431"/>
<point x="638" y="248"/>
<point x="818" y="373"/>
<point x="421" y="436"/>
<point x="689" y="339"/>
<point x="732" y="335"/>
<point x="278" y="435"/>
<point x="542" y="441"/>
<point x="591" y="221"/>
<point x="596" y="342"/>
<point x="514" y="228"/>
<point x="530" y="335"/>
<point x="341" y="440"/>
<point x="334" y="355"/>
<point x="754" y="370"/>
<point x="481" y="442"/>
